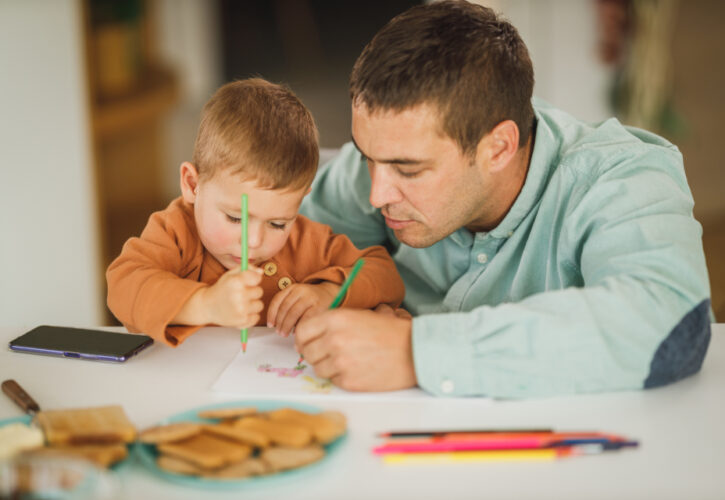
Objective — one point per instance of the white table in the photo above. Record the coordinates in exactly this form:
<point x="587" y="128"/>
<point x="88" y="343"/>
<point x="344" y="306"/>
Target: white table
<point x="680" y="427"/>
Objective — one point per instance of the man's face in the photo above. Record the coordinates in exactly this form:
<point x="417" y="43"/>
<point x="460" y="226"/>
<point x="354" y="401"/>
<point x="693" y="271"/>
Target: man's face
<point x="424" y="185"/>
<point x="217" y="211"/>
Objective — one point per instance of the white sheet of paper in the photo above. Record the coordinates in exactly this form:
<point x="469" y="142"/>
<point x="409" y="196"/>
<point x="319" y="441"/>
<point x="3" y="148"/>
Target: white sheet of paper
<point x="269" y="369"/>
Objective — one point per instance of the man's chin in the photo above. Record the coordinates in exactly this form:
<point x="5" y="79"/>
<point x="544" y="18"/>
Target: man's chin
<point x="412" y="239"/>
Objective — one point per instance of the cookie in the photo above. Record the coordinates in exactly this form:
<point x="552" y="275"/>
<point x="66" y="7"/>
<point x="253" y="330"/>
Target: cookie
<point x="206" y="450"/>
<point x="178" y="465"/>
<point x="283" y="458"/>
<point x="225" y="413"/>
<point x="170" y="432"/>
<point x="251" y="437"/>
<point x="240" y="470"/>
<point x="103" y="455"/>
<point x="104" y="424"/>
<point x="281" y="433"/>
<point x="325" y="428"/>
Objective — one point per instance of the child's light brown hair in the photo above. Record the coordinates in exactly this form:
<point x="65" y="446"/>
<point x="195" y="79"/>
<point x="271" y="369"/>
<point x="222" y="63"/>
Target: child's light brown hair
<point x="259" y="130"/>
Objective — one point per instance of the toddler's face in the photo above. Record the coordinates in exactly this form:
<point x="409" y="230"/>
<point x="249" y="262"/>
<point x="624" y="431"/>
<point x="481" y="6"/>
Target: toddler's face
<point x="217" y="211"/>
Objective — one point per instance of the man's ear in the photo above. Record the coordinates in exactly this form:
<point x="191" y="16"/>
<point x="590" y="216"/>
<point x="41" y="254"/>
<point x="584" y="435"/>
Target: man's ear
<point x="189" y="179"/>
<point x="499" y="146"/>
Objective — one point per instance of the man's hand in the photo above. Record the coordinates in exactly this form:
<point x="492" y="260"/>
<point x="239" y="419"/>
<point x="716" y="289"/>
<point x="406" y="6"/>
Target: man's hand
<point x="234" y="300"/>
<point x="299" y="301"/>
<point x="359" y="350"/>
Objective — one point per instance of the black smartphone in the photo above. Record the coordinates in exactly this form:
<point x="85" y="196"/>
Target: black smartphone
<point x="81" y="343"/>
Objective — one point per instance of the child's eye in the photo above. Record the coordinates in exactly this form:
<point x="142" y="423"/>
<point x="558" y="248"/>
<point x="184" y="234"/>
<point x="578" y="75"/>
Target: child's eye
<point x="235" y="220"/>
<point x="278" y="225"/>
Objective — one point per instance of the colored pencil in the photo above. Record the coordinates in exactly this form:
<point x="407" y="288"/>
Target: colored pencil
<point x="508" y="443"/>
<point x="343" y="290"/>
<point x="244" y="263"/>
<point x="438" y="433"/>
<point x="542" y="454"/>
<point x="346" y="284"/>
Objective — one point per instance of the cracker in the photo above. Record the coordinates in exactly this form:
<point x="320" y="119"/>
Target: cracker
<point x="325" y="428"/>
<point x="104" y="424"/>
<point x="251" y="437"/>
<point x="170" y="432"/>
<point x="224" y="413"/>
<point x="103" y="455"/>
<point x="282" y="457"/>
<point x="240" y="470"/>
<point x="206" y="450"/>
<point x="177" y="465"/>
<point x="281" y="433"/>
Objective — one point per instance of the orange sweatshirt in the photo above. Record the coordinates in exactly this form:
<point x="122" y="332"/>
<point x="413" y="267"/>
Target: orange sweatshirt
<point x="155" y="274"/>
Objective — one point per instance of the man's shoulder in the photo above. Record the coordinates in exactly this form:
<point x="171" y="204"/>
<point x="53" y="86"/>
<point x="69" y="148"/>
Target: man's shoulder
<point x="597" y="149"/>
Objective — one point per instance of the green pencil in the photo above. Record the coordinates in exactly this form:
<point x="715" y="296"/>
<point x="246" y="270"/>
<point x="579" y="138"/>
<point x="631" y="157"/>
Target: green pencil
<point x="245" y="253"/>
<point x="343" y="290"/>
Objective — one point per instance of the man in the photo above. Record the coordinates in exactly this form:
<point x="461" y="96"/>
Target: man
<point x="541" y="255"/>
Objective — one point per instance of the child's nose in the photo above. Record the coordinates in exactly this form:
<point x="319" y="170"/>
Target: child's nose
<point x="255" y="235"/>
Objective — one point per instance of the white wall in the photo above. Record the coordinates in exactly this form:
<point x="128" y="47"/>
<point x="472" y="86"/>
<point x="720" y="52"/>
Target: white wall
<point x="190" y="41"/>
<point x="48" y="246"/>
<point x="561" y="37"/>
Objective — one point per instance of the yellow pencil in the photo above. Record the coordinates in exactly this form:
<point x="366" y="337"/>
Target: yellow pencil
<point x="543" y="454"/>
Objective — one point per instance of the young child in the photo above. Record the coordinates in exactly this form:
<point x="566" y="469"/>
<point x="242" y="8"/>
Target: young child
<point x="257" y="138"/>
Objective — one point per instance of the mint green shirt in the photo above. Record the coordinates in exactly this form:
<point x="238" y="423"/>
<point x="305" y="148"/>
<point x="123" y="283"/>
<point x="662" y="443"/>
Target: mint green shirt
<point x="595" y="280"/>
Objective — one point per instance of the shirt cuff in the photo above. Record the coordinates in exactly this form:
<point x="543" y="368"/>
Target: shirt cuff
<point x="443" y="358"/>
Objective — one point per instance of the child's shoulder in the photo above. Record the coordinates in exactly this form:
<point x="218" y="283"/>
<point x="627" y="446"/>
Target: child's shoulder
<point x="306" y="228"/>
<point x="177" y="217"/>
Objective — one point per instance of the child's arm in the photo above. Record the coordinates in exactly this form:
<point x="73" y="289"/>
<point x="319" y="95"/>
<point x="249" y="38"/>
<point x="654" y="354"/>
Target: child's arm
<point x="156" y="285"/>
<point x="234" y="300"/>
<point x="330" y="258"/>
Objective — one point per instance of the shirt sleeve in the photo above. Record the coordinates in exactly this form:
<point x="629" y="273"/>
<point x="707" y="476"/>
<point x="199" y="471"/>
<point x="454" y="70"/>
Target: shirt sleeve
<point x="145" y="287"/>
<point x="339" y="198"/>
<point x="377" y="281"/>
<point x="640" y="317"/>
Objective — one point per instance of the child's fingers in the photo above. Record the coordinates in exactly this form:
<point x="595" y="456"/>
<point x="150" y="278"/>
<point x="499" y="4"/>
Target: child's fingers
<point x="272" y="312"/>
<point x="292" y="315"/>
<point x="284" y="308"/>
<point x="251" y="277"/>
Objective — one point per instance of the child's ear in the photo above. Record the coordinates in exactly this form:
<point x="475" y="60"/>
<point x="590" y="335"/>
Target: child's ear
<point x="189" y="178"/>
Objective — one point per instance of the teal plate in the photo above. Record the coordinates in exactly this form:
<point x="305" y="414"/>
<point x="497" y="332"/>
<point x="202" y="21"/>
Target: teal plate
<point x="147" y="453"/>
<point x="27" y="419"/>
<point x="23" y="419"/>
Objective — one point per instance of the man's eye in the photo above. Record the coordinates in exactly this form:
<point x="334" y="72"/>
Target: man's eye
<point x="403" y="173"/>
<point x="235" y="220"/>
<point x="277" y="225"/>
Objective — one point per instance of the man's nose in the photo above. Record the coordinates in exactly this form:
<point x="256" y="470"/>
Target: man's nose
<point x="383" y="190"/>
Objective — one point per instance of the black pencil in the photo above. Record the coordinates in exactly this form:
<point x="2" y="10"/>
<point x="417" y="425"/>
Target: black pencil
<point x="425" y="433"/>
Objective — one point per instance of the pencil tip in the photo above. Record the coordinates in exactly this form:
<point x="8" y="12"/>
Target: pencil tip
<point x="244" y="347"/>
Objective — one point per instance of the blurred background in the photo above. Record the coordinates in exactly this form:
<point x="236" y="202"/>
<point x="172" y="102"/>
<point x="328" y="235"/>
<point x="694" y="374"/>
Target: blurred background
<point x="99" y="104"/>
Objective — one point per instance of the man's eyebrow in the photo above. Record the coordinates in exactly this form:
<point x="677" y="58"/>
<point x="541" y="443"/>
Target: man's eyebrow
<point x="395" y="161"/>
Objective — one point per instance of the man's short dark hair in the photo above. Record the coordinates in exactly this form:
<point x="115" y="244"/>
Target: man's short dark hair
<point x="462" y="58"/>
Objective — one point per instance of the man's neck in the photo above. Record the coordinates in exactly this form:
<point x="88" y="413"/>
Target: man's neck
<point x="510" y="189"/>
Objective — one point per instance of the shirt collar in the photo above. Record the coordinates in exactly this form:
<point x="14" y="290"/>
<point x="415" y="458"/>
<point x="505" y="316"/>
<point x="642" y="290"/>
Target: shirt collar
<point x="537" y="177"/>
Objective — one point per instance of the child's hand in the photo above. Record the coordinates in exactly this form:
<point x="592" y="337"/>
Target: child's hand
<point x="298" y="301"/>
<point x="235" y="299"/>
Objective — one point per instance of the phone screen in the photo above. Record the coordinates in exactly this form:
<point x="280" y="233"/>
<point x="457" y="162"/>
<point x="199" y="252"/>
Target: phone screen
<point x="80" y="343"/>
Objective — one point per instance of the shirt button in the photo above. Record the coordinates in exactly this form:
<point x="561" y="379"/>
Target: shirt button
<point x="284" y="283"/>
<point x="447" y="386"/>
<point x="482" y="258"/>
<point x="270" y="268"/>
<point x="509" y="234"/>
